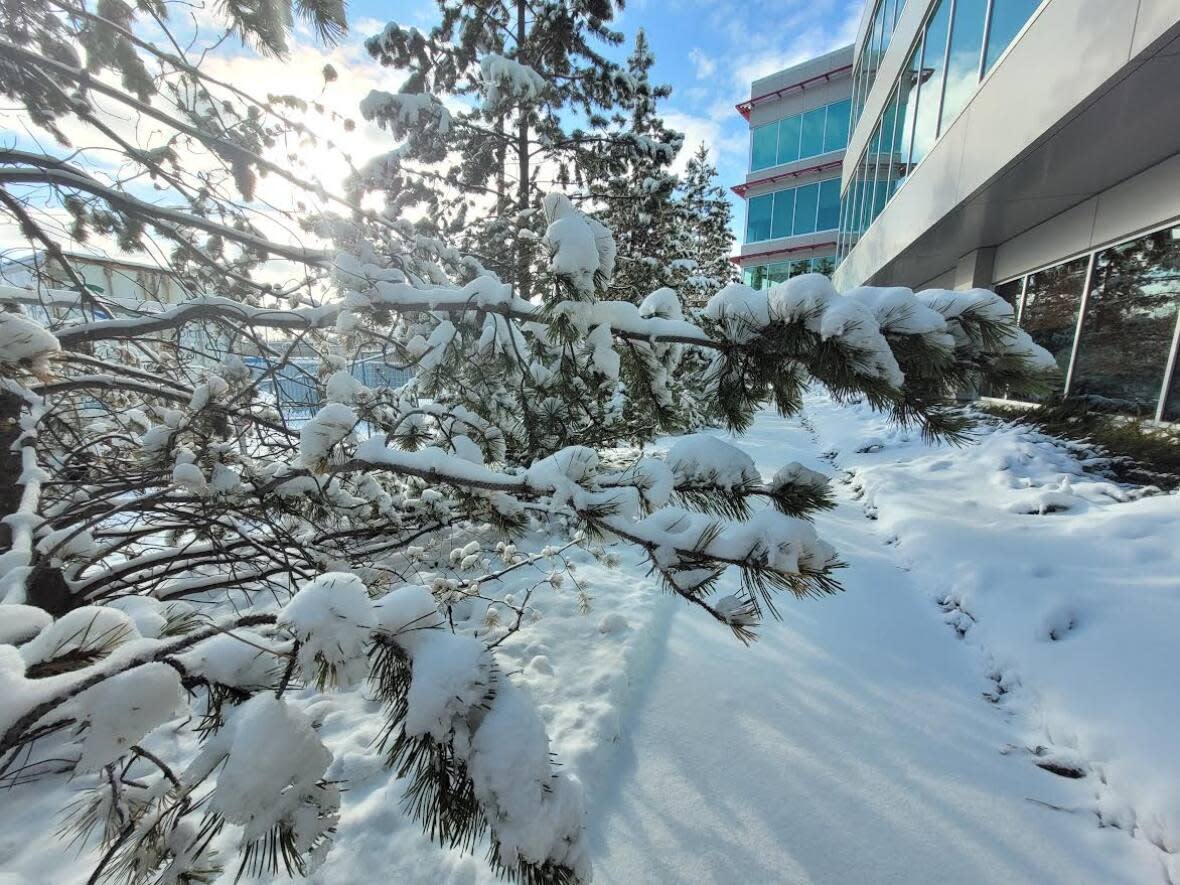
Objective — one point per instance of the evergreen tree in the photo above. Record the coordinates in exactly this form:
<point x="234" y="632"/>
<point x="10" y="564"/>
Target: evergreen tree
<point x="639" y="203"/>
<point x="543" y="95"/>
<point x="705" y="232"/>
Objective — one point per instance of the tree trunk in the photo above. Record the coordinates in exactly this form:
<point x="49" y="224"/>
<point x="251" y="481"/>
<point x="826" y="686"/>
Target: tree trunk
<point x="523" y="244"/>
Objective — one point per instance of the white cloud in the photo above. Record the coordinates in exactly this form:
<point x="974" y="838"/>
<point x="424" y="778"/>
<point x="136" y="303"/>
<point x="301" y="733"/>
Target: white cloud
<point x="705" y="66"/>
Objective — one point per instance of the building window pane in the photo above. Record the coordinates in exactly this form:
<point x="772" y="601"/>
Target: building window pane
<point x="1008" y="17"/>
<point x="1130" y="319"/>
<point x="829" y="205"/>
<point x="1010" y="292"/>
<point x="888" y="161"/>
<point x="757" y="277"/>
<point x="784" y="210"/>
<point x="933" y="58"/>
<point x="907" y="105"/>
<point x="836" y="132"/>
<point x="758" y="212"/>
<point x="798" y="268"/>
<point x="962" y="70"/>
<point x="1172" y="402"/>
<point x="806" y="203"/>
<point x="778" y="273"/>
<point x="763" y="146"/>
<point x="1050" y="312"/>
<point x="812" y="140"/>
<point x="868" y="212"/>
<point x="825" y="265"/>
<point x="788" y="140"/>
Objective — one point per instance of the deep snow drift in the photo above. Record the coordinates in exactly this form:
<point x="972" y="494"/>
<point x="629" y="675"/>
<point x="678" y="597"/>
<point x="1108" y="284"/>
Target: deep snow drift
<point x="990" y="701"/>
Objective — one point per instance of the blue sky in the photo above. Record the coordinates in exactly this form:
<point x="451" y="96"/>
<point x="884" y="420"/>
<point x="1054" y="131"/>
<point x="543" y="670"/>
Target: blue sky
<point x="707" y="50"/>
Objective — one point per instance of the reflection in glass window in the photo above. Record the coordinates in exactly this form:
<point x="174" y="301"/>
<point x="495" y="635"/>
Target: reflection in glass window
<point x="962" y="69"/>
<point x="829" y="205"/>
<point x="1008" y="17"/>
<point x="836" y="129"/>
<point x="788" y="139"/>
<point x="811" y="141"/>
<point x="784" y="211"/>
<point x="756" y="277"/>
<point x="1172" y="401"/>
<point x="758" y="214"/>
<point x="1050" y="313"/>
<point x="929" y="97"/>
<point x="798" y="268"/>
<point x="907" y="105"/>
<point x="825" y="265"/>
<point x="778" y="273"/>
<point x="1130" y="318"/>
<point x="763" y="146"/>
<point x="806" y="203"/>
<point x="1010" y="292"/>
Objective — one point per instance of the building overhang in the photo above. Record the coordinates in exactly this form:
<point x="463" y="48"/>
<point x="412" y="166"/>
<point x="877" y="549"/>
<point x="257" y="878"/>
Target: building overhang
<point x="1041" y="135"/>
<point x="742" y="189"/>
<point x="744" y="108"/>
<point x="780" y="252"/>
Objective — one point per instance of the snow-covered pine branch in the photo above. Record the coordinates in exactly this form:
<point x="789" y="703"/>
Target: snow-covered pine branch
<point x="221" y="514"/>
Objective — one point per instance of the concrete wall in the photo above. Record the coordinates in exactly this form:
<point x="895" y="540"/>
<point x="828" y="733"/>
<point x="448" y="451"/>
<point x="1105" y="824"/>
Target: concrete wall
<point x="1144" y="202"/>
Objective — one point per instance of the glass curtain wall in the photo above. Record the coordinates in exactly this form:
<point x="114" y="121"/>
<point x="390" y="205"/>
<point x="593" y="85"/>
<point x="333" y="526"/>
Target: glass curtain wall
<point x="818" y="131"/>
<point x="1126" y="344"/>
<point x="1129" y="324"/>
<point x="959" y="43"/>
<point x="793" y="211"/>
<point x="763" y="276"/>
<point x="876" y="42"/>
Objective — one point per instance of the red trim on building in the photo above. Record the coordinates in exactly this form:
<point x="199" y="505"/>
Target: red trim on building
<point x="741" y="189"/>
<point x="746" y="106"/>
<point x="739" y="259"/>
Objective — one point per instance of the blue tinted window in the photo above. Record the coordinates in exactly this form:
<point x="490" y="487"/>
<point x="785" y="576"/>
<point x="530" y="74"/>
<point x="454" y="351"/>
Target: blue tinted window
<point x="784" y="210"/>
<point x="962" y="69"/>
<point x="836" y="133"/>
<point x="763" y="146"/>
<point x="758" y="212"/>
<point x="788" y="140"/>
<point x="812" y="140"/>
<point x="907" y="106"/>
<point x="806" y="203"/>
<point x="930" y="91"/>
<point x="829" y="204"/>
<point x="1008" y="17"/>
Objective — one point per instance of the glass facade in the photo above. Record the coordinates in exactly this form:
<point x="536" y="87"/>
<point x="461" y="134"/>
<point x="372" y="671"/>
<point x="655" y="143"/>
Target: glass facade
<point x="1130" y="321"/>
<point x="877" y="39"/>
<point x="816" y="132"/>
<point x="1122" y="352"/>
<point x="958" y="44"/>
<point x="1049" y="314"/>
<point x="793" y="211"/>
<point x="763" y="276"/>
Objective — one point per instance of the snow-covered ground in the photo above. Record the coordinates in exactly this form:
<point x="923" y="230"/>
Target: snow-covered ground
<point x="865" y="740"/>
<point x="1008" y="621"/>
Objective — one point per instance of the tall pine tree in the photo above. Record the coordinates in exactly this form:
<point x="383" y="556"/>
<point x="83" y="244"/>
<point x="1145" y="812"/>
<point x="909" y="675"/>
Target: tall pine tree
<point x="541" y="95"/>
<point x="705" y="236"/>
<point x="639" y="203"/>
